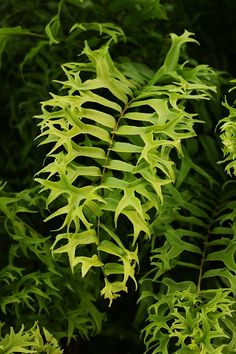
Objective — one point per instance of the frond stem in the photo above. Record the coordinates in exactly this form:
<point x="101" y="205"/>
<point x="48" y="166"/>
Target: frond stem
<point x="204" y="253"/>
<point x="112" y="139"/>
<point x="108" y="154"/>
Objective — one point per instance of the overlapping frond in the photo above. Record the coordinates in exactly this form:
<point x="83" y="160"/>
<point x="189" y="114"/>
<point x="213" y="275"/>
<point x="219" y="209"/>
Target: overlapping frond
<point x="193" y="244"/>
<point x="228" y="137"/>
<point x="185" y="321"/>
<point x="33" y="284"/>
<point x="33" y="340"/>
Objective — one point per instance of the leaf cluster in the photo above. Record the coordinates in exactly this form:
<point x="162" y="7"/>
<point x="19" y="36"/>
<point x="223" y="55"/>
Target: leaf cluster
<point x="133" y="192"/>
<point x="119" y="164"/>
<point x="33" y="284"/>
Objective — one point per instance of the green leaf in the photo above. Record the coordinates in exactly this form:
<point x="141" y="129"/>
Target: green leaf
<point x="111" y="290"/>
<point x="170" y="64"/>
<point x="87" y="263"/>
<point x="100" y="117"/>
<point x="127" y="201"/>
<point x="228" y="131"/>
<point x="34" y="51"/>
<point x="73" y="241"/>
<point x="119" y="165"/>
<point x="53" y="27"/>
<point x="112" y="30"/>
<point x="6" y="33"/>
<point x="113" y="268"/>
<point x="110" y="248"/>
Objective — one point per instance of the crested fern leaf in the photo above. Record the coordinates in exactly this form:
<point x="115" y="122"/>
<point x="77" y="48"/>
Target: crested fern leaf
<point x="222" y="246"/>
<point x="109" y="29"/>
<point x="228" y="133"/>
<point x="33" y="294"/>
<point x="194" y="236"/>
<point x="111" y="138"/>
<point x="33" y="340"/>
<point x="184" y="321"/>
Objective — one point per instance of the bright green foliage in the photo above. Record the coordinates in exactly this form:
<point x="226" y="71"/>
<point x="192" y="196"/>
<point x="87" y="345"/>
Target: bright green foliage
<point x="193" y="315"/>
<point x="228" y="137"/>
<point x="30" y="341"/>
<point x="133" y="195"/>
<point x="190" y="322"/>
<point x="32" y="281"/>
<point x="112" y="135"/>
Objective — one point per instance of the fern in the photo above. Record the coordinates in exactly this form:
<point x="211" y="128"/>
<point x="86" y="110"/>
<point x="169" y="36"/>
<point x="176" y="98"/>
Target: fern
<point x="184" y="321"/>
<point x="130" y="172"/>
<point x="136" y="198"/>
<point x="33" y="285"/>
<point x="112" y="134"/>
<point x="30" y="341"/>
<point x="196" y="312"/>
<point x="228" y="131"/>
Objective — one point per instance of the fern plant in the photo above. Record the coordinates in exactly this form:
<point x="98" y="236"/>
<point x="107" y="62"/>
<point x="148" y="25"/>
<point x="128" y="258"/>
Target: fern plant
<point x="228" y="137"/>
<point x="33" y="285"/>
<point x="133" y="187"/>
<point x="190" y="291"/>
<point x="195" y="311"/>
<point x="112" y="135"/>
<point x="30" y="341"/>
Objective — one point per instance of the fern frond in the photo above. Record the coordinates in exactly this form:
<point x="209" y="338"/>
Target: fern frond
<point x="112" y="135"/>
<point x="228" y="138"/>
<point x="33" y="340"/>
<point x="222" y="245"/>
<point x="110" y="29"/>
<point x="33" y="284"/>
<point x="193" y="241"/>
<point x="185" y="321"/>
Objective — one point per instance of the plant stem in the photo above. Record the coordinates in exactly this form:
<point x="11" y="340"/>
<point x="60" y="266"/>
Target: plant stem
<point x="204" y="254"/>
<point x="108" y="155"/>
